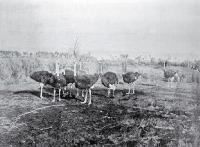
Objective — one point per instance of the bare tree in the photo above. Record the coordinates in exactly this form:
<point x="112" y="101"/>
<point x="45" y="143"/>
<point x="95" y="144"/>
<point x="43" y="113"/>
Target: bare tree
<point x="76" y="48"/>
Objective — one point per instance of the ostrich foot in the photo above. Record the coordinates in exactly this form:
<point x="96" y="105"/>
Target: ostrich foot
<point x="128" y="93"/>
<point x="83" y="102"/>
<point x="82" y="94"/>
<point x="89" y="103"/>
<point x="53" y="100"/>
<point x="41" y="97"/>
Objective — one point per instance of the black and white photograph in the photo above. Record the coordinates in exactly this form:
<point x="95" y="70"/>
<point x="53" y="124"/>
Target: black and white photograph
<point x="99" y="73"/>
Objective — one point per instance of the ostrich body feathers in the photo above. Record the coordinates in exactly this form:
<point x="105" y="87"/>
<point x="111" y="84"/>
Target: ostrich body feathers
<point x="109" y="78"/>
<point x="130" y="77"/>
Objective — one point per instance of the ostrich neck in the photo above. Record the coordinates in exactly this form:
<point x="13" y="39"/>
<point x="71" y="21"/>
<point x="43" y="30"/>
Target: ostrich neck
<point x="123" y="72"/>
<point x="57" y="69"/>
<point x="75" y="69"/>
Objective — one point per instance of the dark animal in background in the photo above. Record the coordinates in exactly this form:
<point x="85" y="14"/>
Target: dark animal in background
<point x="85" y="82"/>
<point x="130" y="78"/>
<point x="182" y="77"/>
<point x="109" y="80"/>
<point x="170" y="75"/>
<point x="196" y="67"/>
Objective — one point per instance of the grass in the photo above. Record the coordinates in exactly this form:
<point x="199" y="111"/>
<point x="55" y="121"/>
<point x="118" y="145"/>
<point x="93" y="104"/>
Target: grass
<point x="155" y="116"/>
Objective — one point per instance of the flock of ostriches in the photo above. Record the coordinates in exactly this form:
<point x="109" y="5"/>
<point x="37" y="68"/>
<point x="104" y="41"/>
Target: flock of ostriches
<point x="85" y="82"/>
<point x="82" y="81"/>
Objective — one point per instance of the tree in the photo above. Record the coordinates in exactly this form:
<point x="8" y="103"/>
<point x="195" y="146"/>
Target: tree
<point x="75" y="48"/>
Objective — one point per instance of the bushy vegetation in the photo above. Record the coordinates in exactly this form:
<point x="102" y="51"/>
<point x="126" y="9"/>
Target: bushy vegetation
<point x="15" y="66"/>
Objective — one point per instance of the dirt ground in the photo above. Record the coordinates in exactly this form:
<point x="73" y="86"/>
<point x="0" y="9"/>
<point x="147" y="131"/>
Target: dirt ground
<point x="156" y="115"/>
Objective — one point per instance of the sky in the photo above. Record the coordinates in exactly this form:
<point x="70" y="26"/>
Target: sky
<point x="102" y="27"/>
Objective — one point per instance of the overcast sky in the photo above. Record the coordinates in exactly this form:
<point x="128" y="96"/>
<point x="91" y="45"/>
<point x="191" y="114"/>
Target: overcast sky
<point x="103" y="27"/>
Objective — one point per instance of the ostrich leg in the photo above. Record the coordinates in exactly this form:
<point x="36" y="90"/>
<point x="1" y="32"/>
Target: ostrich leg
<point x="41" y="89"/>
<point x="70" y="91"/>
<point x="54" y="95"/>
<point x="90" y="95"/>
<point x="77" y="92"/>
<point x="82" y="93"/>
<point x="59" y="94"/>
<point x="133" y="88"/>
<point x="63" y="90"/>
<point x="85" y="97"/>
<point x="108" y="92"/>
<point x="129" y="89"/>
<point x="169" y="83"/>
<point x="114" y="91"/>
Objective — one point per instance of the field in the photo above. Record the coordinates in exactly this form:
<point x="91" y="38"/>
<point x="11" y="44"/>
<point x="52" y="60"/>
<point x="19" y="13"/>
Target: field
<point x="156" y="115"/>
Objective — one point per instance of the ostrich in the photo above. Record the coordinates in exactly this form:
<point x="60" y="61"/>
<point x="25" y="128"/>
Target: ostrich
<point x="171" y="75"/>
<point x="85" y="82"/>
<point x="195" y="67"/>
<point x="130" y="78"/>
<point x="58" y="83"/>
<point x="109" y="80"/>
<point x="69" y="77"/>
<point x="80" y="72"/>
<point x="182" y="77"/>
<point x="46" y="78"/>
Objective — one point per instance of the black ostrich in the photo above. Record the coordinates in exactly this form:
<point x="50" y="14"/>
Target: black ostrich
<point x="59" y="83"/>
<point x="46" y="78"/>
<point x="196" y="67"/>
<point x="171" y="76"/>
<point x="109" y="80"/>
<point x="80" y="73"/>
<point x="69" y="77"/>
<point x="130" y="78"/>
<point x="85" y="82"/>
